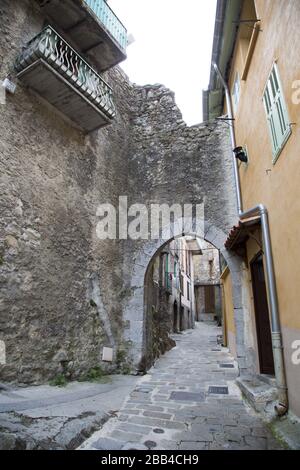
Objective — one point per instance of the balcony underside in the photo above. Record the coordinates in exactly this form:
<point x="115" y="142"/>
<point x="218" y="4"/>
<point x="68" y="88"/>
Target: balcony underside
<point x="87" y="33"/>
<point x="54" y="88"/>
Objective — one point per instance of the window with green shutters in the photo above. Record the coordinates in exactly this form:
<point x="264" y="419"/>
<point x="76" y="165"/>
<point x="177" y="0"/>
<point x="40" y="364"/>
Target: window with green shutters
<point x="277" y="115"/>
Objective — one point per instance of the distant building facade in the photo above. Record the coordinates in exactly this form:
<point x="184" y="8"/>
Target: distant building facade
<point x="170" y="300"/>
<point x="207" y="284"/>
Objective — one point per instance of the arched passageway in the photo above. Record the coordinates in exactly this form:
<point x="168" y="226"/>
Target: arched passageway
<point x="182" y="279"/>
<point x="139" y="305"/>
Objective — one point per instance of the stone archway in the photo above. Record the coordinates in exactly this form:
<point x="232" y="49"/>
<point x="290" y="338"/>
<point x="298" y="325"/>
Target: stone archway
<point x="134" y="314"/>
<point x="171" y="163"/>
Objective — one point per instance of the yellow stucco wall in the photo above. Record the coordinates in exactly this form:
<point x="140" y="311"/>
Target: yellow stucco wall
<point x="228" y="311"/>
<point x="276" y="185"/>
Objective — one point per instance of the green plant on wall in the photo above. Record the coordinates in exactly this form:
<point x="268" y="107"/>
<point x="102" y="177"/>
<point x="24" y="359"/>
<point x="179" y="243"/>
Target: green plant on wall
<point x="58" y="381"/>
<point x="122" y="366"/>
<point x="120" y="357"/>
<point x="1" y="257"/>
<point x="95" y="374"/>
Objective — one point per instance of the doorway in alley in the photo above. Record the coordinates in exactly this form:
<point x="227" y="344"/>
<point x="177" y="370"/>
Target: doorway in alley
<point x="175" y="317"/>
<point x="209" y="298"/>
<point x="263" y="329"/>
<point x="181" y="327"/>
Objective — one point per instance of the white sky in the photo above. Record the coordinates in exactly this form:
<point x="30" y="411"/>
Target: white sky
<point x="173" y="42"/>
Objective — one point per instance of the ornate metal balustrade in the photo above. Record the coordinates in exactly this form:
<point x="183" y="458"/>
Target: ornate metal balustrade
<point x="50" y="49"/>
<point x="91" y="26"/>
<point x="108" y="18"/>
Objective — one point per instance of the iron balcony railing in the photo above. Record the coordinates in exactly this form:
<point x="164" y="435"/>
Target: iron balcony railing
<point x="111" y="22"/>
<point x="51" y="47"/>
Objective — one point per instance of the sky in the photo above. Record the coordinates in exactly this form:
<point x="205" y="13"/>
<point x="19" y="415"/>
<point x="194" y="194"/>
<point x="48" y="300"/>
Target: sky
<point x="173" y="43"/>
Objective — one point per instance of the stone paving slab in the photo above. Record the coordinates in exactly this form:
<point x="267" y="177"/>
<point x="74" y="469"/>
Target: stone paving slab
<point x="168" y="412"/>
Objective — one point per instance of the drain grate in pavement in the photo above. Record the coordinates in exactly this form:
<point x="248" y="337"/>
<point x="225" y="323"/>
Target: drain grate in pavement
<point x="150" y="444"/>
<point x="158" y="431"/>
<point x="218" y="390"/>
<point x="188" y="396"/>
<point x="227" y="366"/>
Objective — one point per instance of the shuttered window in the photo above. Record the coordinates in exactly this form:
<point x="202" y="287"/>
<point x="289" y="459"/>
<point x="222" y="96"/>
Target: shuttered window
<point x="277" y="115"/>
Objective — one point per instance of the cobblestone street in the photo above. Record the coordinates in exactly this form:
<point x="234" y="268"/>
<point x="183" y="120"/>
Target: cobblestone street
<point x="174" y="407"/>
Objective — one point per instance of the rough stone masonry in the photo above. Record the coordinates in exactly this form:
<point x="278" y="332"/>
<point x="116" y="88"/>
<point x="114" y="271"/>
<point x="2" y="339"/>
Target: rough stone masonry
<point x="65" y="294"/>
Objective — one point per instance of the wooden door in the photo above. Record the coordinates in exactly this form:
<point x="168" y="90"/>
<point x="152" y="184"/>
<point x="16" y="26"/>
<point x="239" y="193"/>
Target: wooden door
<point x="175" y="318"/>
<point x="209" y="299"/>
<point x="263" y="328"/>
<point x="181" y="325"/>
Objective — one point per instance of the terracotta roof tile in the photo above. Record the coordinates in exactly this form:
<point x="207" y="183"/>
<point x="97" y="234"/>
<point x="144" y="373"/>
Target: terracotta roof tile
<point x="238" y="233"/>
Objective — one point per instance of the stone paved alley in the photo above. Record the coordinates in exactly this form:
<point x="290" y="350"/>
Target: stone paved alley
<point x="172" y="407"/>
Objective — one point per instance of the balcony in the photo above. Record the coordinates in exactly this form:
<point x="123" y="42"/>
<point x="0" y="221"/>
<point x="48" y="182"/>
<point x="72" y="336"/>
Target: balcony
<point x="91" y="26"/>
<point x="54" y="70"/>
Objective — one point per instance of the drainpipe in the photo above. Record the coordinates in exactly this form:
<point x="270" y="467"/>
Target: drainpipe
<point x="261" y="211"/>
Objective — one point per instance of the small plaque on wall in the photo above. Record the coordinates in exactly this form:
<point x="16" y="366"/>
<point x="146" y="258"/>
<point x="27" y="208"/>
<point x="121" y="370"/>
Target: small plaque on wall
<point x="107" y="354"/>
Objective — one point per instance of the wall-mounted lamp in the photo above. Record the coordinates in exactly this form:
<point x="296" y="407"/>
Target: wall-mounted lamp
<point x="241" y="154"/>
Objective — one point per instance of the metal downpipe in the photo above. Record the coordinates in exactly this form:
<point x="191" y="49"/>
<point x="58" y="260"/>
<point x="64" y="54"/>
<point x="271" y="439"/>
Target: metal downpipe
<point x="261" y="211"/>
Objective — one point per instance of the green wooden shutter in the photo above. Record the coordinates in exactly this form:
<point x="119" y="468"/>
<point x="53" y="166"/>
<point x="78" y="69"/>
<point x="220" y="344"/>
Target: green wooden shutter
<point x="276" y="112"/>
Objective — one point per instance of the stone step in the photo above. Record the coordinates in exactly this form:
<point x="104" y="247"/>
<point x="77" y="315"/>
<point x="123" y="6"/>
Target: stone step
<point x="257" y="391"/>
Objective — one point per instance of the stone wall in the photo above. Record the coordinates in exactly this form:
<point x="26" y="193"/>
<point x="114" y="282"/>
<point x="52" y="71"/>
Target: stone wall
<point x="207" y="265"/>
<point x="207" y="273"/>
<point x="64" y="293"/>
<point x="61" y="288"/>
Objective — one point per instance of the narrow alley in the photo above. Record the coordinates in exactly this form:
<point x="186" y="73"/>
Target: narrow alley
<point x="177" y="407"/>
<point x="149" y="227"/>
